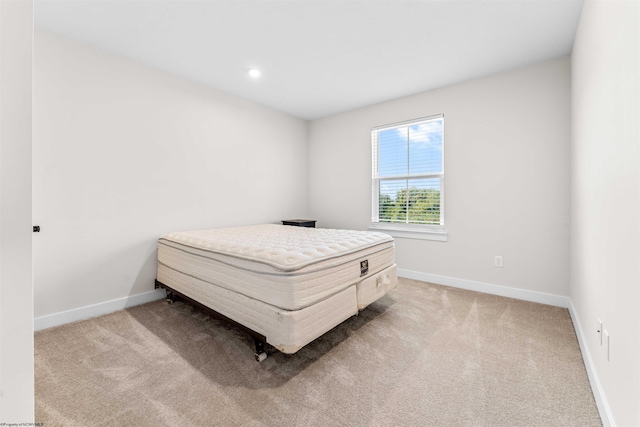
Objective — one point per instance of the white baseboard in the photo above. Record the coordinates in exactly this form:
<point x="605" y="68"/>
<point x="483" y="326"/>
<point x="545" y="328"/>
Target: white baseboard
<point x="94" y="310"/>
<point x="598" y="393"/>
<point x="488" y="288"/>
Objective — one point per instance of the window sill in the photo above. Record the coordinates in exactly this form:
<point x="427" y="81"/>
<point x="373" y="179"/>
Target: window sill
<point x="410" y="232"/>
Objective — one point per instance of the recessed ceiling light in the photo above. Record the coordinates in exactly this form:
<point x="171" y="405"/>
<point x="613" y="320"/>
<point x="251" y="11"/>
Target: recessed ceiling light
<point x="254" y="72"/>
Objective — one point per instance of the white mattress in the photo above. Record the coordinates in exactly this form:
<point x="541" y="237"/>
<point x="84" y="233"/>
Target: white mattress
<point x="288" y="267"/>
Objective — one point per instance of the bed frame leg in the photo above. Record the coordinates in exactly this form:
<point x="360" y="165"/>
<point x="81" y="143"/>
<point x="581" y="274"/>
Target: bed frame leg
<point x="260" y="354"/>
<point x="170" y="297"/>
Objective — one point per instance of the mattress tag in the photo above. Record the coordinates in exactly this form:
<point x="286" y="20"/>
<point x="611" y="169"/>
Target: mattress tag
<point x="364" y="267"/>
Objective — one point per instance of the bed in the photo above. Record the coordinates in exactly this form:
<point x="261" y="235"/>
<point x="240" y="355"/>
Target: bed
<point x="284" y="285"/>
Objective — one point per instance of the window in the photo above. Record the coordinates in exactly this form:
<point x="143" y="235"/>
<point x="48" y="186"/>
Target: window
<point x="408" y="177"/>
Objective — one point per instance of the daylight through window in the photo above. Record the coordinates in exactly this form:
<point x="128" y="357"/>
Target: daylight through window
<point x="408" y="172"/>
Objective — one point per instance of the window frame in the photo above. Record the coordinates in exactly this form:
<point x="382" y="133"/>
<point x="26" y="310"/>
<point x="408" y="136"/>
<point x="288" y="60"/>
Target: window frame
<point x="398" y="229"/>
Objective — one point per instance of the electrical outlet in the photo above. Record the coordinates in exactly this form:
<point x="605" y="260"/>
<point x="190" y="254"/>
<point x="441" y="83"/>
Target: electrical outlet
<point x="600" y="331"/>
<point x="607" y="343"/>
<point x="497" y="261"/>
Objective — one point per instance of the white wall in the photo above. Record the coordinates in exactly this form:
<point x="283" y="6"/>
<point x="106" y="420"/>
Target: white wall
<point x="124" y="153"/>
<point x="506" y="183"/>
<point x="16" y="279"/>
<point x="605" y="217"/>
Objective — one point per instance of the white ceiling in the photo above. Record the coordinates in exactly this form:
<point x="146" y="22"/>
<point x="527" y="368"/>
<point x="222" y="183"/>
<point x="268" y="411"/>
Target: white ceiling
<point x="320" y="58"/>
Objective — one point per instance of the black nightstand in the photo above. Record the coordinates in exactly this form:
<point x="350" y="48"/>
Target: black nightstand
<point x="300" y="222"/>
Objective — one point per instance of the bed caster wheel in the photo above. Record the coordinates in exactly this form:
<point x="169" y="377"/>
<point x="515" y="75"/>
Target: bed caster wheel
<point x="260" y="357"/>
<point x="169" y="297"/>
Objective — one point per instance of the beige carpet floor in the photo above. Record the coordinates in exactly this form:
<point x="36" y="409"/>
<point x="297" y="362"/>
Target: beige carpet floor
<point x="424" y="355"/>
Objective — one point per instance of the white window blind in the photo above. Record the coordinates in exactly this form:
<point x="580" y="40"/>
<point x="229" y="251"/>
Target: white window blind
<point x="408" y="173"/>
